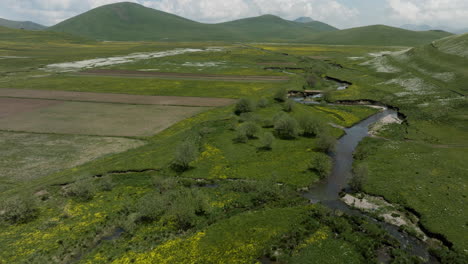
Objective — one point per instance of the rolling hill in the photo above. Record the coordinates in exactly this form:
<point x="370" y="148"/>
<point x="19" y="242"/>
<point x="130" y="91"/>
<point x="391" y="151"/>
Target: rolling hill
<point x="133" y="22"/>
<point x="35" y="36"/>
<point x="28" y="25"/>
<point x="376" y="35"/>
<point x="129" y="21"/>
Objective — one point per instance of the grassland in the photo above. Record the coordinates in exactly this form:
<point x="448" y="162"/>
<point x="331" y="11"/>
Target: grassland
<point x="25" y="156"/>
<point x="236" y="201"/>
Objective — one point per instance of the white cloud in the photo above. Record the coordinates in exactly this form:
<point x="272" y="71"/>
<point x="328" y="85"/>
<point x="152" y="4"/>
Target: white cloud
<point x="452" y="13"/>
<point x="50" y="12"/>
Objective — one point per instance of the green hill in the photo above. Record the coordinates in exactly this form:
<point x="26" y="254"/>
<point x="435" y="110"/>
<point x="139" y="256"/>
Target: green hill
<point x="455" y="45"/>
<point x="128" y="21"/>
<point x="30" y="36"/>
<point x="320" y="26"/>
<point x="28" y="25"/>
<point x="377" y="35"/>
<point x="133" y="22"/>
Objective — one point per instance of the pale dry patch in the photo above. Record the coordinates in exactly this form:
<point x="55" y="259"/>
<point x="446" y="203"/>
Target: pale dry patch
<point x="100" y="62"/>
<point x="26" y="156"/>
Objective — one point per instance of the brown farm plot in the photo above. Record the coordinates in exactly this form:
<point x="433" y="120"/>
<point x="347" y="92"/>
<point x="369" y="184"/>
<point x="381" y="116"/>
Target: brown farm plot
<point x="90" y="118"/>
<point x="187" y="76"/>
<point x="105" y="98"/>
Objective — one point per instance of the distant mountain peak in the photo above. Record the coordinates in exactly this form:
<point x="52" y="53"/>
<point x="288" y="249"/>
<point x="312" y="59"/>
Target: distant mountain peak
<point x="304" y="20"/>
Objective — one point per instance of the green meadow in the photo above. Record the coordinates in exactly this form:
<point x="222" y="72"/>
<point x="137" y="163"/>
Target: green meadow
<point x="131" y="182"/>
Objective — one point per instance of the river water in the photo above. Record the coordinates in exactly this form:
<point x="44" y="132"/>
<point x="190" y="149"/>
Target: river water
<point x="327" y="192"/>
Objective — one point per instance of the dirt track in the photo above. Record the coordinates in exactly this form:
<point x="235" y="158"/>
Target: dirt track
<point x="102" y="97"/>
<point x="175" y="75"/>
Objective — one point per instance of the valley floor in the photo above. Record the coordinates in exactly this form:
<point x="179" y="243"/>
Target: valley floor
<point x="171" y="170"/>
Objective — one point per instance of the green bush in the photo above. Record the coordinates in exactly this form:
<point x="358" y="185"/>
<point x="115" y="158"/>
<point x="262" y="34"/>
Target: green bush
<point x="266" y="141"/>
<point x="244" y="105"/>
<point x="106" y="184"/>
<point x="250" y="129"/>
<point x="281" y="95"/>
<point x="321" y="164"/>
<point x="289" y="105"/>
<point x="310" y="125"/>
<point x="263" y="102"/>
<point x="286" y="127"/>
<point x="359" y="178"/>
<point x="82" y="190"/>
<point x="325" y="142"/>
<point x="184" y="155"/>
<point x="164" y="183"/>
<point x="17" y="210"/>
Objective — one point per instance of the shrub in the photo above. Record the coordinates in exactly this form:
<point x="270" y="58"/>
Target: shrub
<point x="266" y="141"/>
<point x="359" y="178"/>
<point x="311" y="80"/>
<point x="82" y="190"/>
<point x="263" y="102"/>
<point x="281" y="95"/>
<point x="164" y="183"/>
<point x="244" y="105"/>
<point x="310" y="125"/>
<point x="286" y="127"/>
<point x="241" y="136"/>
<point x="185" y="207"/>
<point x="106" y="184"/>
<point x="250" y="129"/>
<point x="325" y="142"/>
<point x="151" y="207"/>
<point x="267" y="123"/>
<point x="289" y="105"/>
<point x="185" y="153"/>
<point x="18" y="210"/>
<point x="322" y="165"/>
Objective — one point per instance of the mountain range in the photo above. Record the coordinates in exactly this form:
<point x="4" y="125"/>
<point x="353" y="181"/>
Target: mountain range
<point x="133" y="22"/>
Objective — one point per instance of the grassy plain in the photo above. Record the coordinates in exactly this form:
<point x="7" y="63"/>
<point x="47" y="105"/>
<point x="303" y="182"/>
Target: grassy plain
<point x="25" y="156"/>
<point x="242" y="215"/>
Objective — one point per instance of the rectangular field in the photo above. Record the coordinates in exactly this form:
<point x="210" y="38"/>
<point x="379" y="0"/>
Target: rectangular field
<point x="106" y="98"/>
<point x="88" y="118"/>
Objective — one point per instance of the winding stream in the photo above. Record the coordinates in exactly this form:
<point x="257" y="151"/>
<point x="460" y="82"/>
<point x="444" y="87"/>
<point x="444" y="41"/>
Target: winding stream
<point x="327" y="192"/>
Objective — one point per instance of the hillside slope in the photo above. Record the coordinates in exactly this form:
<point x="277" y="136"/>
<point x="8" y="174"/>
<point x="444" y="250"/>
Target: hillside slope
<point x="30" y="36"/>
<point x="377" y="35"/>
<point x="133" y="22"/>
<point x="129" y="21"/>
<point x="28" y="25"/>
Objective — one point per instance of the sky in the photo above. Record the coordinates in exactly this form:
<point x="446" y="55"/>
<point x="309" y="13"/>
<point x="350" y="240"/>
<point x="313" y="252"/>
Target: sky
<point x="339" y="13"/>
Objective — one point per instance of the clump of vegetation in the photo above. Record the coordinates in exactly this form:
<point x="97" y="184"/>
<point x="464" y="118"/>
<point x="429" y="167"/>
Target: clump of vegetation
<point x="184" y="155"/>
<point x="82" y="190"/>
<point x="310" y="125"/>
<point x="164" y="183"/>
<point x="266" y="141"/>
<point x="322" y="165"/>
<point x="286" y="127"/>
<point x="281" y="95"/>
<point x="263" y="102"/>
<point x="311" y="81"/>
<point x="247" y="131"/>
<point x="244" y="105"/>
<point x="325" y="142"/>
<point x="18" y="210"/>
<point x="288" y="105"/>
<point x="359" y="178"/>
<point x="106" y="184"/>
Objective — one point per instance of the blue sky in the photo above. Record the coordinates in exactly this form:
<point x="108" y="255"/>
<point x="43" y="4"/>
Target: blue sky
<point x="340" y="13"/>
